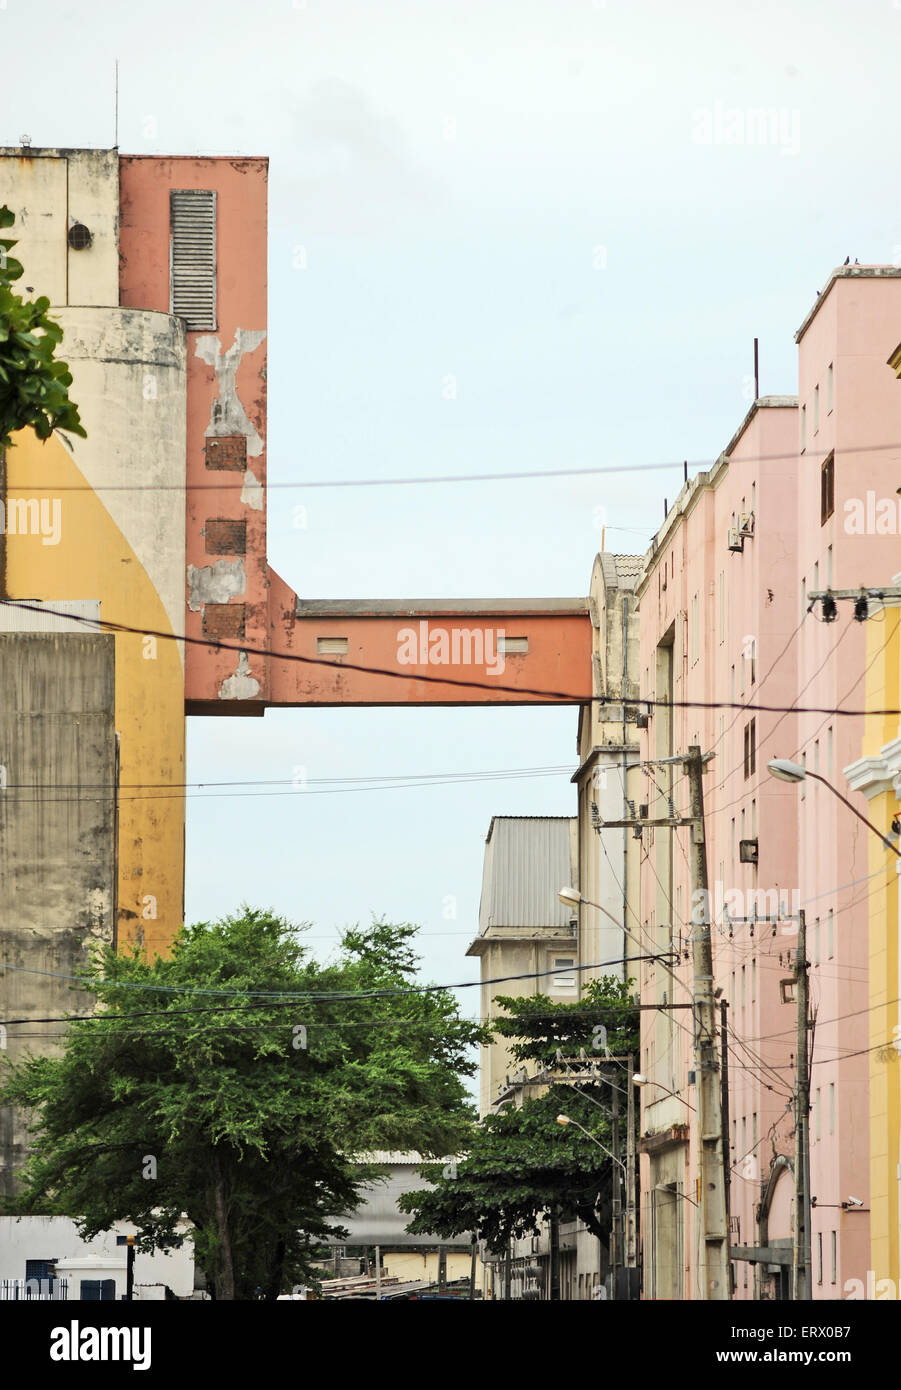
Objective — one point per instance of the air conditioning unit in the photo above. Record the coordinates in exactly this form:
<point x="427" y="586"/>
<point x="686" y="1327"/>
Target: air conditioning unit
<point x="747" y="851"/>
<point x="736" y="539"/>
<point x="746" y="524"/>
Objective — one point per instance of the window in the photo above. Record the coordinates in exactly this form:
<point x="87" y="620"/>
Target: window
<point x="819" y="1257"/>
<point x="831" y="1107"/>
<point x="695" y="633"/>
<point x="830" y="935"/>
<point x="803" y="598"/>
<point x="827" y="489"/>
<point x="804" y="782"/>
<point x="816" y="755"/>
<point x="743" y="986"/>
<point x="830" y="390"/>
<point x="192" y="257"/>
<point x="753" y="978"/>
<point x="565" y="982"/>
<point x="754" y="1131"/>
<point x="39" y="1269"/>
<point x="98" y="1290"/>
<point x="829" y="749"/>
<point x="816" y="409"/>
<point x="818" y="1113"/>
<point x="750" y="748"/>
<point x="834" y="1244"/>
<point x="829" y="567"/>
<point x="803" y="428"/>
<point x="722" y="606"/>
<point x="816" y="942"/>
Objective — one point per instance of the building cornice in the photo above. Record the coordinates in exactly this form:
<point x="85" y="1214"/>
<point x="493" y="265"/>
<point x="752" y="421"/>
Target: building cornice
<point x="875" y="775"/>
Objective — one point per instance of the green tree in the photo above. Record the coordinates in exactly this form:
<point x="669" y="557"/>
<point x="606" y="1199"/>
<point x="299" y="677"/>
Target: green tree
<point x="233" y="1083"/>
<point x="34" y="386"/>
<point x="521" y="1163"/>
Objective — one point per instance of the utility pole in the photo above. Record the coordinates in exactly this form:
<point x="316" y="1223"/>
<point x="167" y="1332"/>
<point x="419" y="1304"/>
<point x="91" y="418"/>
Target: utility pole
<point x="724" y="1090"/>
<point x="802" y="1261"/>
<point x="616" y="1174"/>
<point x="129" y="1269"/>
<point x="631" y="1251"/>
<point x="716" y="1273"/>
<point x="555" y="1256"/>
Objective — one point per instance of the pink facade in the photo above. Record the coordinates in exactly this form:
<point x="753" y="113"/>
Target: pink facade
<point x="723" y="619"/>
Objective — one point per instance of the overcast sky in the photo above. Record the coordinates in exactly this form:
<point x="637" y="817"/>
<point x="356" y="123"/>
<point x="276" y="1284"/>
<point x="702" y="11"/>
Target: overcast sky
<point x="556" y="203"/>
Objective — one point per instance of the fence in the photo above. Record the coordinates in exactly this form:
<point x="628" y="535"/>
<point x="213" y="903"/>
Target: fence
<point x="41" y="1290"/>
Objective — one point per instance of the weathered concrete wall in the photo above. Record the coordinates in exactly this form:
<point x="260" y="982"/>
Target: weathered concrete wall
<point x="57" y="844"/>
<point x="50" y="191"/>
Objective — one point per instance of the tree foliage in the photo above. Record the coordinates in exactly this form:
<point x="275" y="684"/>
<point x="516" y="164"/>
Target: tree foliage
<point x="34" y="385"/>
<point x="189" y="1094"/>
<point x="521" y="1163"/>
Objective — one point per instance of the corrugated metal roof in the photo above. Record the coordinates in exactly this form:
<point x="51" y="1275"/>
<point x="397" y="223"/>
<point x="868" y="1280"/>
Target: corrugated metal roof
<point x="58" y="615"/>
<point x="628" y="564"/>
<point x="528" y="859"/>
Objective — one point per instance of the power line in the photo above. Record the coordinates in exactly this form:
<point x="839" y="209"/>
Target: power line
<point x="417" y="480"/>
<point x="283" y="998"/>
<point x="570" y="697"/>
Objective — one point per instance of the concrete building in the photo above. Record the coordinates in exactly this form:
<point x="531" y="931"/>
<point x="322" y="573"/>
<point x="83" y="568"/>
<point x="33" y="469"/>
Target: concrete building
<point x="523" y="928"/>
<point x="607" y="780"/>
<point x="57" y="851"/>
<point x="713" y="623"/>
<point x="43" y="1255"/>
<point x="726" y="619"/>
<point x="378" y="1228"/>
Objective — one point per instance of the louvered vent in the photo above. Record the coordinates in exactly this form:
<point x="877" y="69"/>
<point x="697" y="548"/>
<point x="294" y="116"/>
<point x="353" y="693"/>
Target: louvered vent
<point x="193" y="256"/>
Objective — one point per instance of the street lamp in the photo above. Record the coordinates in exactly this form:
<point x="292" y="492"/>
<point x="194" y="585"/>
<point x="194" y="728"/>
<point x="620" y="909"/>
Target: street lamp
<point x="565" y="1120"/>
<point x="571" y="897"/>
<point x="788" y="771"/>
<point x="639" y="1080"/>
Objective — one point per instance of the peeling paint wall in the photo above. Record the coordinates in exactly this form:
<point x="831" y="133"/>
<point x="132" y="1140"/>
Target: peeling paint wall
<point x="226" y="413"/>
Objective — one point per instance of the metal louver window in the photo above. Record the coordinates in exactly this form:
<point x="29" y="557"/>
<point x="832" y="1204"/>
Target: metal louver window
<point x="192" y="214"/>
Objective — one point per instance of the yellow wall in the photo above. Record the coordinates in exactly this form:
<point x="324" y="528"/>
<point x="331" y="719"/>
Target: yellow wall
<point x="419" y="1264"/>
<point x="884" y="668"/>
<point x="94" y="560"/>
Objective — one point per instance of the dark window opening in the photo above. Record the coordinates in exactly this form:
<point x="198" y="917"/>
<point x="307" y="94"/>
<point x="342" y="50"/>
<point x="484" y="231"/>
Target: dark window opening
<point x="750" y="748"/>
<point x="827" y="489"/>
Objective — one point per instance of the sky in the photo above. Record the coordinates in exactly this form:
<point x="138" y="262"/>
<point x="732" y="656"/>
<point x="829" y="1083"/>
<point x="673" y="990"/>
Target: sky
<point x="504" y="236"/>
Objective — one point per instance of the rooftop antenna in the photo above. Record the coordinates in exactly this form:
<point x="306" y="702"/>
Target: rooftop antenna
<point x="756" y="373"/>
<point x="116" y="140"/>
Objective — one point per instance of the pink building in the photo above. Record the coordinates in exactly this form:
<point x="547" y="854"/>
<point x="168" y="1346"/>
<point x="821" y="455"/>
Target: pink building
<point x="724" y="619"/>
